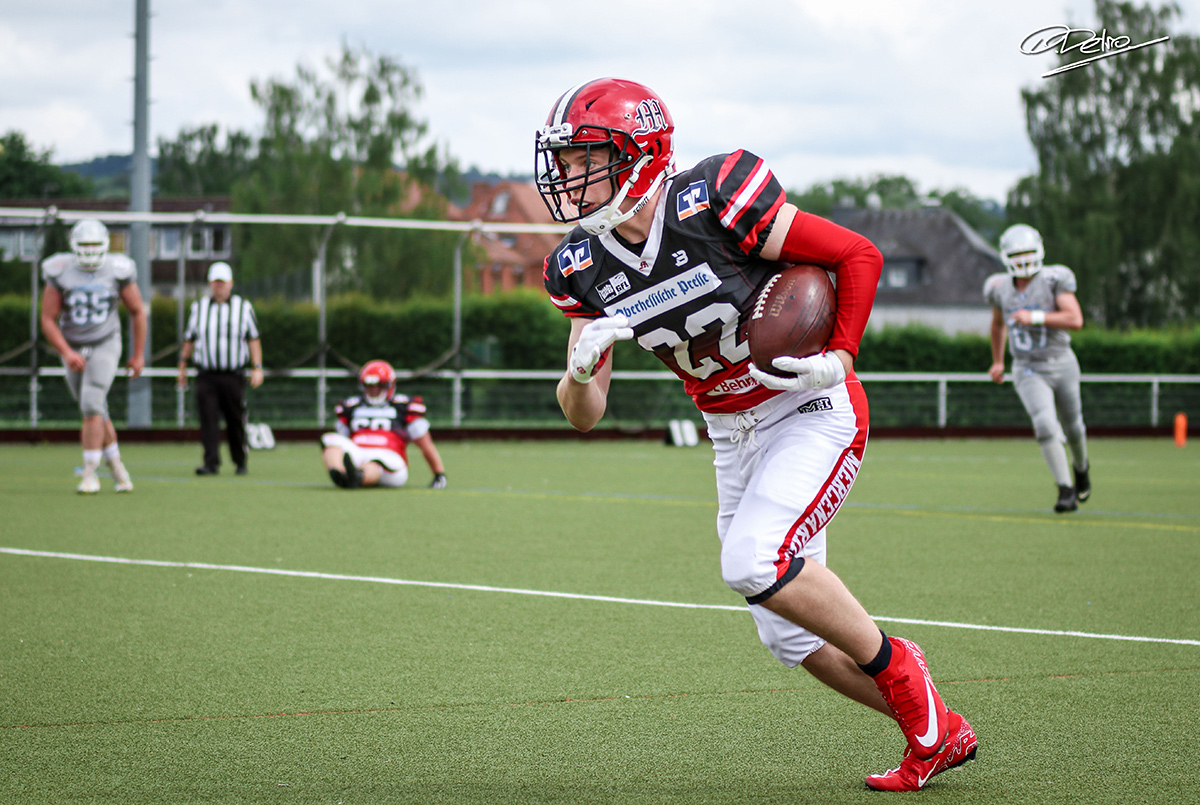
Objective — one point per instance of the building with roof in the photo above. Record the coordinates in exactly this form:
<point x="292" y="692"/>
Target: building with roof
<point x="21" y="238"/>
<point x="512" y="260"/>
<point x="934" y="267"/>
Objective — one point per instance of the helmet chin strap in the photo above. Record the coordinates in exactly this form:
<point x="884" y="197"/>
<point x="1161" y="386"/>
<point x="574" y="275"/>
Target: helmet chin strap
<point x="610" y="216"/>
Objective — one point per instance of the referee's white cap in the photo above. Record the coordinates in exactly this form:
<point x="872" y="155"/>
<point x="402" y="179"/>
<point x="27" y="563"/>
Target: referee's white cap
<point x="220" y="272"/>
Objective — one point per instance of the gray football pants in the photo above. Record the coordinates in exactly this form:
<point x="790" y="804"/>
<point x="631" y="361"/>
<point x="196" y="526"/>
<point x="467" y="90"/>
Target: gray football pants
<point x="90" y="387"/>
<point x="1049" y="390"/>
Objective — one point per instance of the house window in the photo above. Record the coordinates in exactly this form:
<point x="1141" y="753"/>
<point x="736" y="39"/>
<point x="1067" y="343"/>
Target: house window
<point x="899" y="274"/>
<point x="8" y="245"/>
<point x="168" y="242"/>
<point x="220" y="241"/>
<point x="198" y="245"/>
<point x="31" y="244"/>
<point x="500" y="203"/>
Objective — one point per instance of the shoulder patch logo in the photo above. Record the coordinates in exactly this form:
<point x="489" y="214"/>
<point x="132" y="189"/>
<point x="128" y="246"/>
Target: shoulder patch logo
<point x="812" y="406"/>
<point x="575" y="257"/>
<point x="692" y="200"/>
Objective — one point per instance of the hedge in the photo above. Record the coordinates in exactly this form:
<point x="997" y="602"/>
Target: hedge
<point x="522" y="330"/>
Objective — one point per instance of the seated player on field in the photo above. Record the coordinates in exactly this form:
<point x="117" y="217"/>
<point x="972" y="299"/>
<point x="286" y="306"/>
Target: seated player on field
<point x="373" y="434"/>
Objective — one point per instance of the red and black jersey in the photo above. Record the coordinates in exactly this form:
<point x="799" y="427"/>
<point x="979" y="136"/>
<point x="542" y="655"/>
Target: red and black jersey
<point x="391" y="425"/>
<point x="690" y="288"/>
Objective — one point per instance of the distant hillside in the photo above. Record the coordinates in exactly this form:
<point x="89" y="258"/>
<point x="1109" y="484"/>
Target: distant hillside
<point x="102" y="167"/>
<point x="110" y="173"/>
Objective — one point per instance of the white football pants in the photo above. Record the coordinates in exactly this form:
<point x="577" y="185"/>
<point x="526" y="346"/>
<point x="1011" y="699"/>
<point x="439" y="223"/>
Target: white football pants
<point x="783" y="470"/>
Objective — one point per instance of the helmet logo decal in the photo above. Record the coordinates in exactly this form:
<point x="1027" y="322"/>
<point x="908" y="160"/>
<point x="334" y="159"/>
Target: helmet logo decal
<point x="650" y="117"/>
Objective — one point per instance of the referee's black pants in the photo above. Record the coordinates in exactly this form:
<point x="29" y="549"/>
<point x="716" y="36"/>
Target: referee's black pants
<point x="222" y="394"/>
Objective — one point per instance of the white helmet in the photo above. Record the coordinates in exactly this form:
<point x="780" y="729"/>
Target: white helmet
<point x="1021" y="250"/>
<point x="89" y="241"/>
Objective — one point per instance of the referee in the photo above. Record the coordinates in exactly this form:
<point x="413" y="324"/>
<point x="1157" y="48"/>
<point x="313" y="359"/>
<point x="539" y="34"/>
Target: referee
<point x="222" y="334"/>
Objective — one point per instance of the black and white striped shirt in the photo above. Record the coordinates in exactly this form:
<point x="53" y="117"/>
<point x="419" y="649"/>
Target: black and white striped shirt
<point x="220" y="332"/>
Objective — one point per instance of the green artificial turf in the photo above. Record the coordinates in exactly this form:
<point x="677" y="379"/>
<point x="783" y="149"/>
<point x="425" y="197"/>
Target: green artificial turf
<point x="208" y="678"/>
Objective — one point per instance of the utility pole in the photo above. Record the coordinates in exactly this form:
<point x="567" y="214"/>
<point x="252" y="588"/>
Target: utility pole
<point x="139" y="200"/>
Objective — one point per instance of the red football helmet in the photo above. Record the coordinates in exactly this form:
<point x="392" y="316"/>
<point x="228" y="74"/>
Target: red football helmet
<point x="378" y="382"/>
<point x="631" y="128"/>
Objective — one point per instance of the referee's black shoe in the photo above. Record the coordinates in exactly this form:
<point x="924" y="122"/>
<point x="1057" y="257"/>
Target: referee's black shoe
<point x="1083" y="484"/>
<point x="1066" y="500"/>
<point x="207" y="470"/>
<point x="353" y="473"/>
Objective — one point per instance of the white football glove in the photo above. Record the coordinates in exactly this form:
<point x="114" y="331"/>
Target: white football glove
<point x="814" y="372"/>
<point x="595" y="338"/>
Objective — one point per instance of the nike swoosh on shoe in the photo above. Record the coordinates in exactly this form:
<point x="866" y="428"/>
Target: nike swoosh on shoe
<point x="931" y="735"/>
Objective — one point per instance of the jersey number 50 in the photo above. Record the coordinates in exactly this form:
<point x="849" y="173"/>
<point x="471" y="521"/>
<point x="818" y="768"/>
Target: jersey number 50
<point x="370" y="423"/>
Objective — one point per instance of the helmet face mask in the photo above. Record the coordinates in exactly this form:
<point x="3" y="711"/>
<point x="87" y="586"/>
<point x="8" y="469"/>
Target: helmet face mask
<point x="603" y="165"/>
<point x="378" y="382"/>
<point x="624" y="132"/>
<point x="1021" y="250"/>
<point x="89" y="242"/>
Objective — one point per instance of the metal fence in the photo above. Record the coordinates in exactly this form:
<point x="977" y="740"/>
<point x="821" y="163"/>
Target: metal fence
<point x="303" y="398"/>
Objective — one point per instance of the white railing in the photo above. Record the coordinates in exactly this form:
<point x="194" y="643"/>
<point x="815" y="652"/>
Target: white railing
<point x="458" y="380"/>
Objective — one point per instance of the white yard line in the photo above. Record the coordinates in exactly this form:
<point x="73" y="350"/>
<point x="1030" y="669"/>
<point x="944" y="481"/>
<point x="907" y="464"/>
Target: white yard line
<point x="309" y="574"/>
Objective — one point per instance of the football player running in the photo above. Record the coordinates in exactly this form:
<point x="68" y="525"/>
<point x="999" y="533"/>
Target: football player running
<point x="1034" y="305"/>
<point x="674" y="259"/>
<point x="370" y="447"/>
<point x="79" y="319"/>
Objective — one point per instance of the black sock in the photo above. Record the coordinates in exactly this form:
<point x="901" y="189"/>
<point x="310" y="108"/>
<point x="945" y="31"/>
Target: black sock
<point x="880" y="663"/>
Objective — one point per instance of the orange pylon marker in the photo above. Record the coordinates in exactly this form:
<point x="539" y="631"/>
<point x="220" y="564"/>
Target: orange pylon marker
<point x="1180" y="429"/>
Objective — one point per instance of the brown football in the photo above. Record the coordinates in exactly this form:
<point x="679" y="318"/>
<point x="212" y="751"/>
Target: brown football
<point x="793" y="315"/>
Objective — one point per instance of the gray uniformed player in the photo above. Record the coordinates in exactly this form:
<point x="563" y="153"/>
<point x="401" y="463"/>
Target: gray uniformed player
<point x="80" y="320"/>
<point x="1035" y="305"/>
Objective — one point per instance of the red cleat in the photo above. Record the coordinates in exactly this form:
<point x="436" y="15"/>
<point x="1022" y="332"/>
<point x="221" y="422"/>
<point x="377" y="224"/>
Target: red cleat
<point x="912" y="774"/>
<point x="908" y="691"/>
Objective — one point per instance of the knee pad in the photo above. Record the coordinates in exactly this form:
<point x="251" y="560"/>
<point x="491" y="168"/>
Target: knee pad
<point x="1076" y="431"/>
<point x="93" y="401"/>
<point x="738" y="570"/>
<point x="1046" y="429"/>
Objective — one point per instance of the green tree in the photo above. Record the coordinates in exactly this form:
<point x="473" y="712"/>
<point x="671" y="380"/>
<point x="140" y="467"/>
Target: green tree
<point x="347" y="140"/>
<point x="1117" y="192"/>
<point x="200" y="162"/>
<point x="892" y="192"/>
<point x="26" y="172"/>
<point x="985" y="216"/>
<point x="900" y="193"/>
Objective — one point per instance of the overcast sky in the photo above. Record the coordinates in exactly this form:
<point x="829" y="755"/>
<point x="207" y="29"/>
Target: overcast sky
<point x="821" y="88"/>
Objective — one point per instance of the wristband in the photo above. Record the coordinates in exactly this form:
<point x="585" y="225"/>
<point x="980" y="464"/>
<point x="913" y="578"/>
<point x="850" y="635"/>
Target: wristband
<point x="1037" y="317"/>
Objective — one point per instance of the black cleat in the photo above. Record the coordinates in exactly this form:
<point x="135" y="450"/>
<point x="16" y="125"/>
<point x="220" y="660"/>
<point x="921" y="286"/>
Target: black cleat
<point x="206" y="470"/>
<point x="339" y="479"/>
<point x="1066" y="500"/>
<point x="1083" y="484"/>
<point x="353" y="473"/>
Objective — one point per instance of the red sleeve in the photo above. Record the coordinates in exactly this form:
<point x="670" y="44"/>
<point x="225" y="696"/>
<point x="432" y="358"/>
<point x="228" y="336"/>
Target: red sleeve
<point x="414" y="411"/>
<point x="853" y="259"/>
